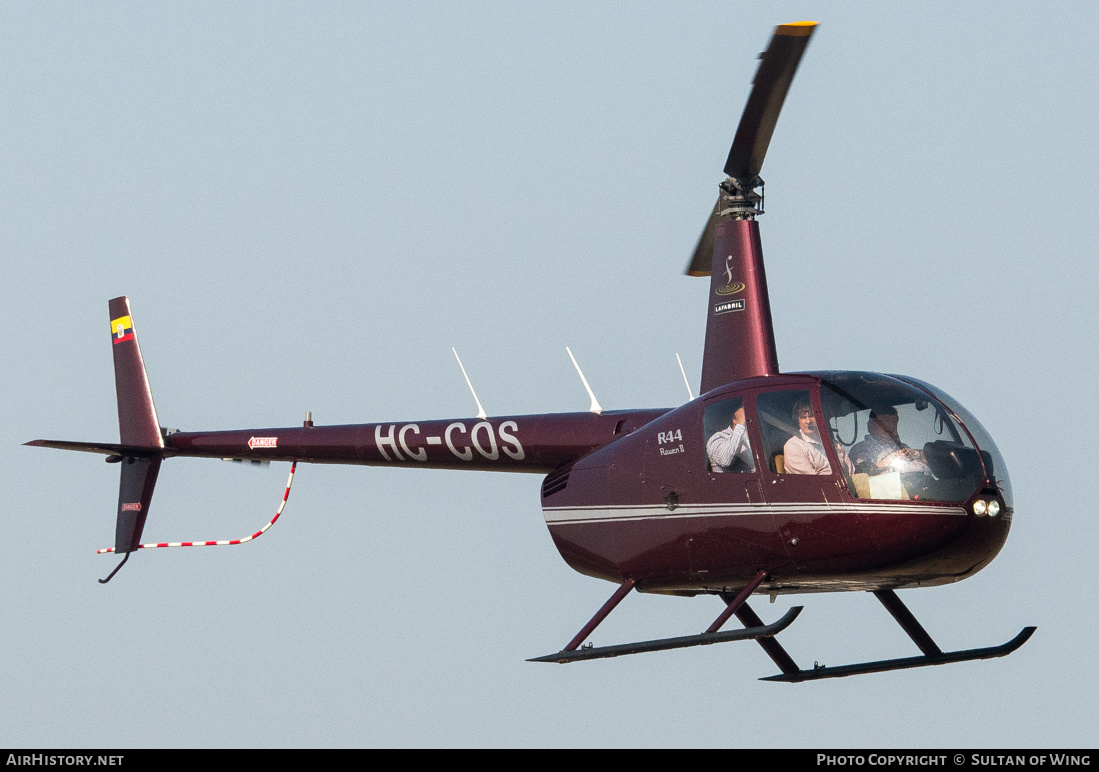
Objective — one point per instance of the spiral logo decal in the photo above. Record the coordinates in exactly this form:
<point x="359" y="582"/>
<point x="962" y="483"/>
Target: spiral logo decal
<point x="731" y="289"/>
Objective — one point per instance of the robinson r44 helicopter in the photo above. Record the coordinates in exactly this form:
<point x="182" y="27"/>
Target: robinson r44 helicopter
<point x="763" y="484"/>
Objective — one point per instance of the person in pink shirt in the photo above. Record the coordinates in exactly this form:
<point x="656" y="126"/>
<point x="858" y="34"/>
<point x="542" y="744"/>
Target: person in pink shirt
<point x="803" y="453"/>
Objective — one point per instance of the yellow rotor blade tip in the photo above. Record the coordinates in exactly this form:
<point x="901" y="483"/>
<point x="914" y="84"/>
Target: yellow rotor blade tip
<point x="796" y="28"/>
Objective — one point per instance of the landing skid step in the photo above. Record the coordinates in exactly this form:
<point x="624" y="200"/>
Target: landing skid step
<point x="682" y="642"/>
<point x="906" y="662"/>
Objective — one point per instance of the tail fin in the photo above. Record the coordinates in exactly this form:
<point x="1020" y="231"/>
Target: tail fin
<point x="137" y="427"/>
<point x="137" y="421"/>
<point x="135" y="492"/>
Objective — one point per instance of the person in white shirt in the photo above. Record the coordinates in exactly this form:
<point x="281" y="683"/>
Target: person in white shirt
<point x="728" y="449"/>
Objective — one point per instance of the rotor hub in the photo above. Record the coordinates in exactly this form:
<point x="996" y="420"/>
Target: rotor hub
<point x="739" y="199"/>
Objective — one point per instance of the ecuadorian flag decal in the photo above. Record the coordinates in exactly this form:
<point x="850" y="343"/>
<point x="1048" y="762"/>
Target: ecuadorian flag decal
<point x="121" y="329"/>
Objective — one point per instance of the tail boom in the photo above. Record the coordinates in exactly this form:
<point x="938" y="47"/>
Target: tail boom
<point x="534" y="444"/>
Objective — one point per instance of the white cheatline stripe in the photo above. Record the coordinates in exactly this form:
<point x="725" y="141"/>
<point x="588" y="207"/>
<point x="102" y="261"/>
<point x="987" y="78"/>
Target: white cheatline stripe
<point x="260" y="532"/>
<point x="594" y="514"/>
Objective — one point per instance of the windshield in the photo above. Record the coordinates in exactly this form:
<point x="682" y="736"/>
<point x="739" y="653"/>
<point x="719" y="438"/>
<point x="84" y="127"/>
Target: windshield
<point x="903" y="443"/>
<point x="993" y="460"/>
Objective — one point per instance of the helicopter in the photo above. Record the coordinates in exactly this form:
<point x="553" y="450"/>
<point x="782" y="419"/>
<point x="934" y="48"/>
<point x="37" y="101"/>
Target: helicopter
<point x="767" y="483"/>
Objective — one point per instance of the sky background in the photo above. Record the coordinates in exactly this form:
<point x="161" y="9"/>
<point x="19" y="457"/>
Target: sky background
<point x="309" y="204"/>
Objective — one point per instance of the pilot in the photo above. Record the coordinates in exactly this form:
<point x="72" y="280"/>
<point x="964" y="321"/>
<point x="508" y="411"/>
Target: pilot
<point x="882" y="449"/>
<point x="728" y="449"/>
<point x="803" y="453"/>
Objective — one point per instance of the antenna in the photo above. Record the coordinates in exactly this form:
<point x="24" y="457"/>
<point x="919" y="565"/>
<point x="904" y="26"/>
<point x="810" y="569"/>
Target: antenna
<point x="480" y="410"/>
<point x="686" y="383"/>
<point x="595" y="406"/>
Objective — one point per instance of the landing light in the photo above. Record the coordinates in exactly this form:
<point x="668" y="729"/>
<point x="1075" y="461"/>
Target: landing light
<point x="993" y="508"/>
<point x="980" y="506"/>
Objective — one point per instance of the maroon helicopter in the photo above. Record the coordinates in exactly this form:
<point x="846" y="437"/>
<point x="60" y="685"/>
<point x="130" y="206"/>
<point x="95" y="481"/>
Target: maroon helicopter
<point x="768" y="482"/>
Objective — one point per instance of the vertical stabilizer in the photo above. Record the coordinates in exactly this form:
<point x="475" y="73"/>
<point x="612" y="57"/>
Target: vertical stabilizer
<point x="138" y="428"/>
<point x="135" y="493"/>
<point x="137" y="421"/>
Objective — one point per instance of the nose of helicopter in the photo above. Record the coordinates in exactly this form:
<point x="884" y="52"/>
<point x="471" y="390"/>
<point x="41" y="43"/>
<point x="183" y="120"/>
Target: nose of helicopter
<point x="991" y="508"/>
<point x="997" y="496"/>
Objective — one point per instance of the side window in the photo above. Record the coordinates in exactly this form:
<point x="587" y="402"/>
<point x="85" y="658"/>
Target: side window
<point x="791" y="435"/>
<point x="725" y="432"/>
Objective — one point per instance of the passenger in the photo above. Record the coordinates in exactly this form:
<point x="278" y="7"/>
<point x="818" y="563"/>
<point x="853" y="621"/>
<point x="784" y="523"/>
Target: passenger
<point x="882" y="449"/>
<point x="803" y="453"/>
<point x="729" y="450"/>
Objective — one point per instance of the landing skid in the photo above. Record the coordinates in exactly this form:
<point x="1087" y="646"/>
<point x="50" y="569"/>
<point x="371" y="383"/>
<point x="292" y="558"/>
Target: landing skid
<point x="754" y="629"/>
<point x="932" y="654"/>
<point x="926" y="660"/>
<point x="682" y="642"/>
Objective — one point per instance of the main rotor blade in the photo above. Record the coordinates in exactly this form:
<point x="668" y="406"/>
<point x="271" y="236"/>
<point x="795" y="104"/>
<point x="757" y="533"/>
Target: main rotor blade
<point x="702" y="261"/>
<point x="772" y="81"/>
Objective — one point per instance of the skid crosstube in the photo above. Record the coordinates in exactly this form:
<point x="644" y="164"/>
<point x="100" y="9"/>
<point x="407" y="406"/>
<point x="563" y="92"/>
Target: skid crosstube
<point x="663" y="644"/>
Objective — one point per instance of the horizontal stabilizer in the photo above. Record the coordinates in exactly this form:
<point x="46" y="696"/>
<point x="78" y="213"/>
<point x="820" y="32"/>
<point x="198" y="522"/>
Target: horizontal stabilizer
<point x="104" y="448"/>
